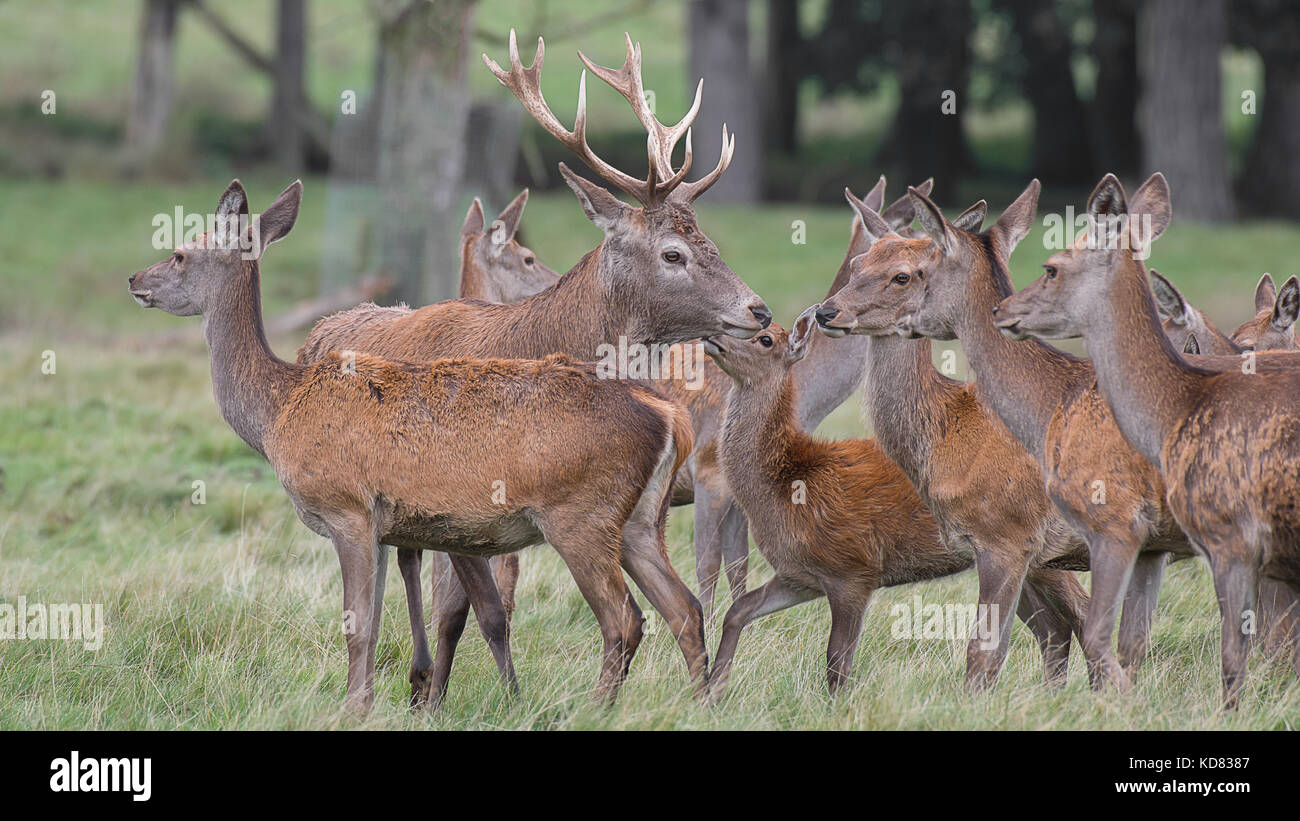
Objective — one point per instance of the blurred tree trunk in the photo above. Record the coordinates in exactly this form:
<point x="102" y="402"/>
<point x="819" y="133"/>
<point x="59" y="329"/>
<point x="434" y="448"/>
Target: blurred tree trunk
<point x="719" y="52"/>
<point x="1114" y="104"/>
<point x="1270" y="179"/>
<point x="781" y="78"/>
<point x="424" y="107"/>
<point x="284" y="127"/>
<point x="1179" y="42"/>
<point x="929" y="52"/>
<point x="152" y="91"/>
<point x="1061" y="150"/>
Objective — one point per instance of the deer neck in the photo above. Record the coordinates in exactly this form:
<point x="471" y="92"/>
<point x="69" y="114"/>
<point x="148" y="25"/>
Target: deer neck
<point x="758" y="429"/>
<point x="1150" y="388"/>
<point x="905" y="398"/>
<point x="575" y="316"/>
<point x="248" y="380"/>
<point x="827" y="375"/>
<point x="1022" y="381"/>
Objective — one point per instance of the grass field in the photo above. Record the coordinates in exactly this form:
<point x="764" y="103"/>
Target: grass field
<point x="225" y="615"/>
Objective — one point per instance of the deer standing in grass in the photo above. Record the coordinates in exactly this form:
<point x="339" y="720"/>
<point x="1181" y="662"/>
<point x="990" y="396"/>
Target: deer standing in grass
<point x="452" y="456"/>
<point x="981" y="485"/>
<point x="1223" y="433"/>
<point x="655" y="279"/>
<point x="1045" y="399"/>
<point x="834" y="519"/>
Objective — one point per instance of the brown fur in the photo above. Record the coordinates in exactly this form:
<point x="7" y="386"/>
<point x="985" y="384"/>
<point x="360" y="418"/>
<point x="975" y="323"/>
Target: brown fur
<point x="861" y="527"/>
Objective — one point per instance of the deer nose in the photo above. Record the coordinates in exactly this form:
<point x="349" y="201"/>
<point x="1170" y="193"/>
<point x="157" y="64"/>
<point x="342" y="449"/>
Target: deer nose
<point x="995" y="309"/>
<point x="762" y="314"/>
<point x="825" y="315"/>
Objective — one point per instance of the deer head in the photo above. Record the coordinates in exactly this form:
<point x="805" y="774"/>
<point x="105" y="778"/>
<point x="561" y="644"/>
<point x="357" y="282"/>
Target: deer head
<point x="765" y="358"/>
<point x="1063" y="300"/>
<point x="657" y="251"/>
<point x="199" y="275"/>
<point x="493" y="265"/>
<point x="880" y="279"/>
<point x="1273" y="328"/>
<point x="1181" y="321"/>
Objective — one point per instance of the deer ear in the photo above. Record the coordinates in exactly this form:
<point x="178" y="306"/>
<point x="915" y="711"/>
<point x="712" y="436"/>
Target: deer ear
<point x="601" y="207"/>
<point x="277" y="220"/>
<point x="1265" y="293"/>
<point x="1106" y="205"/>
<point x="875" y="198"/>
<point x="1191" y="346"/>
<point x="509" y="218"/>
<point x="972" y="219"/>
<point x="902" y="211"/>
<point x="474" y="220"/>
<point x="873" y="226"/>
<point x="801" y="333"/>
<point x="1168" y="300"/>
<point x="1151" y="200"/>
<point x="232" y="210"/>
<point x="1287" y="307"/>
<point x="1015" y="222"/>
<point x="932" y="221"/>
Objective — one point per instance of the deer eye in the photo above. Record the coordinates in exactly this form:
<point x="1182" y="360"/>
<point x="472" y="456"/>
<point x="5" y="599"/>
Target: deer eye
<point x="902" y="279"/>
<point x="765" y="341"/>
<point x="529" y="260"/>
<point x="1050" y="271"/>
<point x="672" y="257"/>
<point x="178" y="257"/>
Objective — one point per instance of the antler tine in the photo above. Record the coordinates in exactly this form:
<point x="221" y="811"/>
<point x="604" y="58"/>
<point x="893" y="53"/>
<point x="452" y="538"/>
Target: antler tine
<point x="627" y="81"/>
<point x="525" y="83"/>
<point x="689" y="191"/>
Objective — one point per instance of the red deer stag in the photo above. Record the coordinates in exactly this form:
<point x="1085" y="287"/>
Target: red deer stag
<point x="1223" y="431"/>
<point x="834" y="519"/>
<point x="445" y="456"/>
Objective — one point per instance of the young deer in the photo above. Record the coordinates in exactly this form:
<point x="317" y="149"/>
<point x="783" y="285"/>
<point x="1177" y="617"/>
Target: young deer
<point x="375" y="453"/>
<point x="948" y="286"/>
<point x="1224" y="431"/>
<point x="655" y="278"/>
<point x="1273" y="328"/>
<point x="1181" y="321"/>
<point x="859" y="525"/>
<point x="981" y="485"/>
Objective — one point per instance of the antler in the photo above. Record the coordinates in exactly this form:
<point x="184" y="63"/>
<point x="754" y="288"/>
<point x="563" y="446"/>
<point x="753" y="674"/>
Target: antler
<point x="661" y="140"/>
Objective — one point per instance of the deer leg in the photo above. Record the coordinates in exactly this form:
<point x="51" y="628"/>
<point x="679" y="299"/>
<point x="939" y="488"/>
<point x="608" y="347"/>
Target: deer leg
<point x="735" y="547"/>
<point x="1112" y="562"/>
<point x="774" y="596"/>
<point x="1236" y="582"/>
<point x="1278" y="610"/>
<point x="847" y="610"/>
<point x="1001" y="575"/>
<point x="359" y="556"/>
<point x="450" y="605"/>
<point x="709" y="512"/>
<point x="1051" y="605"/>
<point x="477" y="581"/>
<point x="645" y="558"/>
<point x="1139" y="609"/>
<point x="408" y="562"/>
<point x="506" y="570"/>
<point x="592" y="557"/>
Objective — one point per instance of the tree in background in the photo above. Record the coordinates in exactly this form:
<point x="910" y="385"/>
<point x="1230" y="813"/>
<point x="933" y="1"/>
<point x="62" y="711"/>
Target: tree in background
<point x="424" y="104"/>
<point x="1113" y="113"/>
<point x="153" y="89"/>
<point x="284" y="128"/>
<point x="783" y="74"/>
<point x="1270" y="179"/>
<point x="1181" y="121"/>
<point x="719" y="52"/>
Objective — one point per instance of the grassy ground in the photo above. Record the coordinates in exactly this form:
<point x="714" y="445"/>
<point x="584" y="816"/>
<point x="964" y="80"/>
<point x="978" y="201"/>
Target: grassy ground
<point x="226" y="614"/>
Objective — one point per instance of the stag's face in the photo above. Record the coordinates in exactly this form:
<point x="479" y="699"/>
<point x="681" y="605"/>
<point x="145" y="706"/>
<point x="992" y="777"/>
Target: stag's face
<point x="880" y="283"/>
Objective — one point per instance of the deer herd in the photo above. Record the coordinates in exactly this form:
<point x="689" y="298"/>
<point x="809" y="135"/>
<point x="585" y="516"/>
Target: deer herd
<point x="479" y="426"/>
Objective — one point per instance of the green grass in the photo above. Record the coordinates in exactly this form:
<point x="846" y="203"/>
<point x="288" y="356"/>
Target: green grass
<point x="226" y="614"/>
